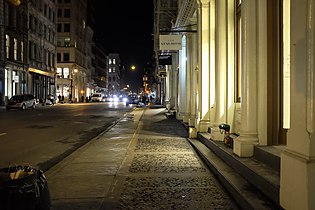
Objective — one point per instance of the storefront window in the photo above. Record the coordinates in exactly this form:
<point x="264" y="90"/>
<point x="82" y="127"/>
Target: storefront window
<point x="66" y="73"/>
<point x="7" y="46"/>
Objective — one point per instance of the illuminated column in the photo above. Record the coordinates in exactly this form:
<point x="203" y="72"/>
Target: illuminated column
<point x="188" y="79"/>
<point x="244" y="144"/>
<point x="297" y="183"/>
<point x="168" y="92"/>
<point x="182" y="81"/>
<point x="230" y="109"/>
<point x="220" y="71"/>
<point x="204" y="65"/>
<point x="193" y="86"/>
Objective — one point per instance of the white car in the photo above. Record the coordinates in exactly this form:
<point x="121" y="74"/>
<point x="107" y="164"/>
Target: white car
<point x="97" y="97"/>
<point x="22" y="102"/>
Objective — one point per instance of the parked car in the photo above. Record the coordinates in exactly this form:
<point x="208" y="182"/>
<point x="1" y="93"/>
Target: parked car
<point x="97" y="97"/>
<point x="22" y="101"/>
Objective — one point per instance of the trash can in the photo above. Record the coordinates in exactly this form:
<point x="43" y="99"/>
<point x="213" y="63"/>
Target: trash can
<point x="23" y="187"/>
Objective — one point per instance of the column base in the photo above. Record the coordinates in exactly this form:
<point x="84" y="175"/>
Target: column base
<point x="243" y="146"/>
<point x="192" y="121"/>
<point x="297" y="186"/>
<point x="216" y="134"/>
<point x="186" y="117"/>
<point x="180" y="115"/>
<point x="203" y="126"/>
<point x="193" y="132"/>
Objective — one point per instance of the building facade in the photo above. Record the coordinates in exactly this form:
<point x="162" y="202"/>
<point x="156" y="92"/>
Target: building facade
<point x="14" y="39"/>
<point x="113" y="73"/>
<point x="100" y="63"/>
<point x="42" y="47"/>
<point x="249" y="64"/>
<point x="27" y="48"/>
<point x="74" y="70"/>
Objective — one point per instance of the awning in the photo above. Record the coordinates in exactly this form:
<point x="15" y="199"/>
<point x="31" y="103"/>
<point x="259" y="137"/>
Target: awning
<point x="48" y="74"/>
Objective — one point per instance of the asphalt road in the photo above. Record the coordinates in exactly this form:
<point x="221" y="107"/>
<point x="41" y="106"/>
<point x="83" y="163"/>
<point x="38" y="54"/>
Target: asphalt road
<point x="44" y="136"/>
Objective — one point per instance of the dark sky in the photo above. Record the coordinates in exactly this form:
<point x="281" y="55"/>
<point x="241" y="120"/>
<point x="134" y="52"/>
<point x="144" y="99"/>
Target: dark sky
<point x="126" y="27"/>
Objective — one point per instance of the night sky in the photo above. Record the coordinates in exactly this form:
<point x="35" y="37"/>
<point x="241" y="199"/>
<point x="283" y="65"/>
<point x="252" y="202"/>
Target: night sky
<point x="126" y="28"/>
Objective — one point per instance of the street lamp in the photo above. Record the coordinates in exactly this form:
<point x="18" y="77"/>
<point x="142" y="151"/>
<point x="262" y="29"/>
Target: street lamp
<point x="133" y="67"/>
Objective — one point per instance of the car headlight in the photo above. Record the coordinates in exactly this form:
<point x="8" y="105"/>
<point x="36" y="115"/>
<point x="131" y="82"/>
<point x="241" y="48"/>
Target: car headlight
<point x="125" y="99"/>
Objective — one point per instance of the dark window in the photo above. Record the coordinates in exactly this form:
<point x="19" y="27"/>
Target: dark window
<point x="66" y="57"/>
<point x="66" y="27"/>
<point x="59" y="13"/>
<point x="66" y="13"/>
<point x="58" y="57"/>
<point x="59" y="27"/>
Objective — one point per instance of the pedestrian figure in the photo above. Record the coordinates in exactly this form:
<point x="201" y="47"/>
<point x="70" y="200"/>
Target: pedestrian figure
<point x="62" y="98"/>
<point x="59" y="98"/>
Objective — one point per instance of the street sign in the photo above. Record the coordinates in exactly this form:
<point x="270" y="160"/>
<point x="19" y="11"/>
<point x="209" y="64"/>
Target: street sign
<point x="170" y="42"/>
<point x="165" y="60"/>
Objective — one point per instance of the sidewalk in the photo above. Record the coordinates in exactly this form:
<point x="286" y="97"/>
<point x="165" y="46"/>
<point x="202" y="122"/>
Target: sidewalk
<point x="142" y="162"/>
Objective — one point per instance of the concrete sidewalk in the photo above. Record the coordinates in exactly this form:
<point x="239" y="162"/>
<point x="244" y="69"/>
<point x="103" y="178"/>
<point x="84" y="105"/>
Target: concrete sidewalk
<point x="142" y="162"/>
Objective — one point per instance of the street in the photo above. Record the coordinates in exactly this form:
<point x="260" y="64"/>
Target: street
<point x="44" y="136"/>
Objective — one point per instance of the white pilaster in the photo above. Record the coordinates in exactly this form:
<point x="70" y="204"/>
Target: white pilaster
<point x="297" y="183"/>
<point x="220" y="71"/>
<point x="182" y="81"/>
<point x="193" y="87"/>
<point x="244" y="144"/>
<point x="193" y="78"/>
<point x="204" y="65"/>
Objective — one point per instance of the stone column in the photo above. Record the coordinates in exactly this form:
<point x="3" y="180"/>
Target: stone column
<point x="244" y="144"/>
<point x="168" y="92"/>
<point x="204" y="65"/>
<point x="193" y="86"/>
<point x="220" y="69"/>
<point x="188" y="79"/>
<point x="297" y="183"/>
<point x="182" y="81"/>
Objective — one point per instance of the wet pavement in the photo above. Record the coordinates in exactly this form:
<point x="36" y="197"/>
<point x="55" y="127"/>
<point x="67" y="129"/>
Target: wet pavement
<point x="143" y="162"/>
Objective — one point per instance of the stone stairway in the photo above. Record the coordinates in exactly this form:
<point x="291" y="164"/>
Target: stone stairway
<point x="254" y="182"/>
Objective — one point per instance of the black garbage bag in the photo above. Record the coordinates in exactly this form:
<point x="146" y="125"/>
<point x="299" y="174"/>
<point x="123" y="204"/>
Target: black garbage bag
<point x="23" y="187"/>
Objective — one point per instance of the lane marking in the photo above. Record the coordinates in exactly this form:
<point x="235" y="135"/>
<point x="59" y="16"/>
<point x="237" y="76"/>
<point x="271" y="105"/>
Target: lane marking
<point x="2" y="134"/>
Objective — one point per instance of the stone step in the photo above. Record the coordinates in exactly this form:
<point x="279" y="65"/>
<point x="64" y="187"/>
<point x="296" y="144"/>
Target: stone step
<point x="269" y="155"/>
<point x="250" y="181"/>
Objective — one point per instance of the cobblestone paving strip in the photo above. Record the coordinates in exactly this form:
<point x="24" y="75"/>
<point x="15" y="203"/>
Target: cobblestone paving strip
<point x="165" y="173"/>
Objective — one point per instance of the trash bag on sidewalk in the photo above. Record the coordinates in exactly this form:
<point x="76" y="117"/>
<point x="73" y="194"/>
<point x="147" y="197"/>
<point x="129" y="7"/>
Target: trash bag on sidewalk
<point x="23" y="187"/>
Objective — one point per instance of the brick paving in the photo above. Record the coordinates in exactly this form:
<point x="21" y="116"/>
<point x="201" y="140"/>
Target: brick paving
<point x="154" y="168"/>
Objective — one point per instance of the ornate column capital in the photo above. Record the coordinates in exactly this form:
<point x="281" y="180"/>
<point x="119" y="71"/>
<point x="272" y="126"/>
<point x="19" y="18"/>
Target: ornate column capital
<point x="203" y="2"/>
